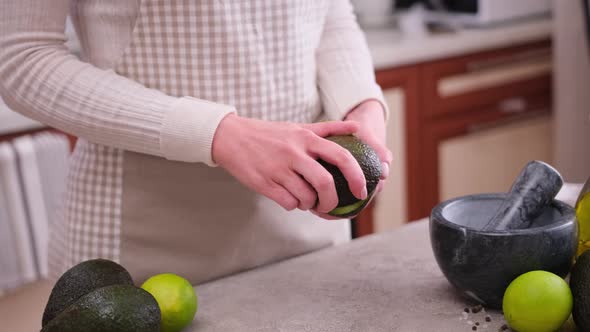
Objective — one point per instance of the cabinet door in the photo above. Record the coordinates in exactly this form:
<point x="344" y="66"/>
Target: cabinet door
<point x="489" y="160"/>
<point x="390" y="209"/>
<point x="460" y="94"/>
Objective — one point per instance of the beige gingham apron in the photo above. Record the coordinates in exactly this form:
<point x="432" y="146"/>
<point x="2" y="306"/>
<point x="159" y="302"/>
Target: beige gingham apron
<point x="155" y="215"/>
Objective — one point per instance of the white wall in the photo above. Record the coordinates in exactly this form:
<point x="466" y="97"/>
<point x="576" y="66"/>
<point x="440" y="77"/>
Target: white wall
<point x="572" y="91"/>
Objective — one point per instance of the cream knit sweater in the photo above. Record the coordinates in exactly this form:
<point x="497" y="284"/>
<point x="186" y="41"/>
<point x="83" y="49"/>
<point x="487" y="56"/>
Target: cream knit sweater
<point x="155" y="80"/>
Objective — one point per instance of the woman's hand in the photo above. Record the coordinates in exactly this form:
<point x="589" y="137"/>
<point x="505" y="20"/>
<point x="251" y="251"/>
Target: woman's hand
<point x="370" y="118"/>
<point x="278" y="160"/>
<point x="372" y="130"/>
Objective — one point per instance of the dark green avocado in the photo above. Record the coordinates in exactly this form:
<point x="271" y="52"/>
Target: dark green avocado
<point x="81" y="280"/>
<point x="580" y="286"/>
<point x="348" y="204"/>
<point x="117" y="308"/>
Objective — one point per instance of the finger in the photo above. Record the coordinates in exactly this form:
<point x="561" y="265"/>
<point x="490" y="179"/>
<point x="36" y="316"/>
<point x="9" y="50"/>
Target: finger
<point x="380" y="186"/>
<point x="384" y="171"/>
<point x="299" y="188"/>
<point x="324" y="129"/>
<point x="343" y="159"/>
<point x="324" y="215"/>
<point x="382" y="151"/>
<point x="281" y="196"/>
<point x="321" y="181"/>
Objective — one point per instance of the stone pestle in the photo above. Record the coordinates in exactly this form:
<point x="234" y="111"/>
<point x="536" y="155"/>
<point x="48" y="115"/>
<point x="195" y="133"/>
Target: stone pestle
<point x="534" y="188"/>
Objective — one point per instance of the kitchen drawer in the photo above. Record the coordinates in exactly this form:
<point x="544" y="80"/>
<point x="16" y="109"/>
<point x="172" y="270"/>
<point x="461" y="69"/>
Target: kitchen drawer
<point x="498" y="78"/>
<point x="487" y="117"/>
<point x="11" y="136"/>
<point x="426" y="171"/>
<point x="463" y="159"/>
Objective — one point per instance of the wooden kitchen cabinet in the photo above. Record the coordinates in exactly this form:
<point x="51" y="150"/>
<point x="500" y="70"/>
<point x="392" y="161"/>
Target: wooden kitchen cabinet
<point x="389" y="209"/>
<point x="488" y="160"/>
<point x="448" y="99"/>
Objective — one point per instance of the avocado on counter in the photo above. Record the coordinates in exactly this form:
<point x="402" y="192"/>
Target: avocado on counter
<point x="580" y="286"/>
<point x="80" y="280"/>
<point x="348" y="204"/>
<point x="120" y="308"/>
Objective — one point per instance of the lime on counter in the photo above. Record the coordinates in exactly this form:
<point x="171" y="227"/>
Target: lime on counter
<point x="537" y="301"/>
<point x="176" y="298"/>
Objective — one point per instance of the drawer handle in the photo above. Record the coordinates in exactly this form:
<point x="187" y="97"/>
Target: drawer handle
<point x="523" y="57"/>
<point x="459" y="84"/>
<point x="532" y="114"/>
<point x="513" y="105"/>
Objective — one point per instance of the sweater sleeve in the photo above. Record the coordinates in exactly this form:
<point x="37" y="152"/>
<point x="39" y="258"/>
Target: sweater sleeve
<point x="345" y="70"/>
<point x="41" y="79"/>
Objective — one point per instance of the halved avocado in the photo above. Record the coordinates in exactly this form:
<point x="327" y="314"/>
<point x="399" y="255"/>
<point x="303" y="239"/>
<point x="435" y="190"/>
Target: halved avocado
<point x="348" y="204"/>
<point x="115" y="308"/>
<point x="80" y="280"/>
<point x="350" y="210"/>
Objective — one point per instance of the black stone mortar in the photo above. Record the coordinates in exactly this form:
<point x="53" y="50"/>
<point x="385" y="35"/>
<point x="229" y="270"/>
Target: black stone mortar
<point x="482" y="264"/>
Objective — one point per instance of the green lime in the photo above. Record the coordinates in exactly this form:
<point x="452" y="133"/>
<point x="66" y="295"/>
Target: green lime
<point x="537" y="301"/>
<point x="176" y="298"/>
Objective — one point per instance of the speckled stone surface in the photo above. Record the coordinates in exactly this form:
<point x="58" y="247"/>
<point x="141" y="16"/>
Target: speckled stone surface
<point x="430" y="305"/>
<point x="385" y="282"/>
<point x="533" y="189"/>
<point x="482" y="264"/>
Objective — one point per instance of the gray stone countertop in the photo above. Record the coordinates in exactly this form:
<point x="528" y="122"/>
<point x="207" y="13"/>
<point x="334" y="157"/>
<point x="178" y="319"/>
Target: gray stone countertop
<point x="383" y="282"/>
<point x="391" y="48"/>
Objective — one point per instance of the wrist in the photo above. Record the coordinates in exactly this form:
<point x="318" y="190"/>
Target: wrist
<point x="222" y="136"/>
<point x="369" y="109"/>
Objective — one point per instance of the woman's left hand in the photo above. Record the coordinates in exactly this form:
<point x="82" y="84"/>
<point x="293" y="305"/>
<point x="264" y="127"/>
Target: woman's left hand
<point x="371" y="119"/>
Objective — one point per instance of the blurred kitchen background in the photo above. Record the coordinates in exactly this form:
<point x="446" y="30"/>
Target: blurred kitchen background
<point x="476" y="88"/>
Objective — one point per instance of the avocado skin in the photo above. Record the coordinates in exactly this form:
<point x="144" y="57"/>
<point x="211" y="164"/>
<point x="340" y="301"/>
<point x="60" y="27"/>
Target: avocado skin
<point x="80" y="280"/>
<point x="369" y="162"/>
<point x="117" y="308"/>
<point x="580" y="286"/>
<point x="355" y="211"/>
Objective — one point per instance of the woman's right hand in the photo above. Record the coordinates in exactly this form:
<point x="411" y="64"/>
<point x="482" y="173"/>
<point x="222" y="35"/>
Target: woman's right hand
<point x="279" y="160"/>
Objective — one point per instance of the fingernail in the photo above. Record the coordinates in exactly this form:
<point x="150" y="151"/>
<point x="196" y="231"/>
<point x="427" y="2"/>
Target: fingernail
<point x="364" y="193"/>
<point x="384" y="170"/>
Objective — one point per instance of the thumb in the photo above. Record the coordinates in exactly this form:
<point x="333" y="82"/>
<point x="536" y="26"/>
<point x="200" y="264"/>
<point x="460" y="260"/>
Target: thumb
<point x="324" y="129"/>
